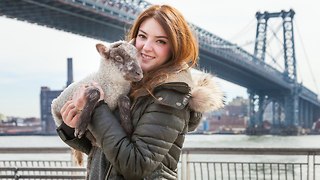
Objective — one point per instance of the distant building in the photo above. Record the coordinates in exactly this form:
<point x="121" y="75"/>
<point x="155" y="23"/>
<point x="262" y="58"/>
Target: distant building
<point x="238" y="107"/>
<point x="46" y="97"/>
<point x="23" y="126"/>
<point x="230" y="119"/>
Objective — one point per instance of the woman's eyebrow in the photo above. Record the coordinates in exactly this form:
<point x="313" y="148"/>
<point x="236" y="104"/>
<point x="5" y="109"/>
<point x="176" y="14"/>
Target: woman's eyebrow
<point x="142" y="31"/>
<point x="165" y="37"/>
<point x="155" y="36"/>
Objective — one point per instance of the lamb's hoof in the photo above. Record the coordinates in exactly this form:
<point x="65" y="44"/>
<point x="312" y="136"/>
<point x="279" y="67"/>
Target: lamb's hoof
<point x="79" y="132"/>
<point x="124" y="102"/>
<point x="124" y="108"/>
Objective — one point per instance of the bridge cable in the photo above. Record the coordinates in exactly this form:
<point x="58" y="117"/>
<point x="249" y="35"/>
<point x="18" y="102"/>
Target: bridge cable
<point x="247" y="43"/>
<point x="241" y="33"/>
<point x="274" y="59"/>
<point x="275" y="34"/>
<point x="307" y="58"/>
<point x="244" y="30"/>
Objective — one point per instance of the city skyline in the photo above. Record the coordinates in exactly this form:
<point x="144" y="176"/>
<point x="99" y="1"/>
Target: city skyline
<point x="32" y="56"/>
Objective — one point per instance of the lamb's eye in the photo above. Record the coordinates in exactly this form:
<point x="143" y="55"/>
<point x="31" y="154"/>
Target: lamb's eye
<point x="119" y="58"/>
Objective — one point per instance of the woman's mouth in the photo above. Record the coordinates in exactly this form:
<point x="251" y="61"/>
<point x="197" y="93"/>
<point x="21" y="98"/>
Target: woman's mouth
<point x="146" y="57"/>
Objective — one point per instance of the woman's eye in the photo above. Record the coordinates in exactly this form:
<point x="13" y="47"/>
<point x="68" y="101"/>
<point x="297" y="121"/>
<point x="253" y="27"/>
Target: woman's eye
<point x="162" y="42"/>
<point x="141" y="36"/>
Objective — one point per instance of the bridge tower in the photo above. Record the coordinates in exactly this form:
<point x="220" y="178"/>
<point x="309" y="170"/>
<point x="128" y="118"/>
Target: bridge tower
<point x="285" y="106"/>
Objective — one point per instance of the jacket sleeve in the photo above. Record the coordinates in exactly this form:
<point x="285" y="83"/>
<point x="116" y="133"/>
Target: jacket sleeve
<point x="66" y="133"/>
<point x="154" y="134"/>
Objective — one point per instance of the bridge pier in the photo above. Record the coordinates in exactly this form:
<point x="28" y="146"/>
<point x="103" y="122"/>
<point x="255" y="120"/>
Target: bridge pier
<point x="283" y="114"/>
<point x="257" y="104"/>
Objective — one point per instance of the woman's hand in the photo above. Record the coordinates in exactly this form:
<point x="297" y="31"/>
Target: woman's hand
<point x="69" y="114"/>
<point x="79" y="98"/>
<point x="71" y="110"/>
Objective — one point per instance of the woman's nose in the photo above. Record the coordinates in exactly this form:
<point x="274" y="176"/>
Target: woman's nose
<point x="147" y="46"/>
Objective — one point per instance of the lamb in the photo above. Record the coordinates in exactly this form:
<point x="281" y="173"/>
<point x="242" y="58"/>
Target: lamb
<point x="119" y="67"/>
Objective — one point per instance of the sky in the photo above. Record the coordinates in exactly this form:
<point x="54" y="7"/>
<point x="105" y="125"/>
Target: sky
<point x="32" y="56"/>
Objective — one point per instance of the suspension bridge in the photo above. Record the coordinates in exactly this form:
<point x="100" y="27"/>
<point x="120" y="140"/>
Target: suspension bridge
<point x="293" y="105"/>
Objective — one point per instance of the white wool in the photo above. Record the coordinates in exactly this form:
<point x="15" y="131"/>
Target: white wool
<point x="108" y="77"/>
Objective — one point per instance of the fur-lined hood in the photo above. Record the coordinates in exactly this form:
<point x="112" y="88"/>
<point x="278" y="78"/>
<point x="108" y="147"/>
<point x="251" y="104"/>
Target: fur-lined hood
<point x="206" y="95"/>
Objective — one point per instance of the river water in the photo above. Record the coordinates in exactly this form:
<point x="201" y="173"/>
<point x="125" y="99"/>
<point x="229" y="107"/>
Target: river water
<point x="267" y="141"/>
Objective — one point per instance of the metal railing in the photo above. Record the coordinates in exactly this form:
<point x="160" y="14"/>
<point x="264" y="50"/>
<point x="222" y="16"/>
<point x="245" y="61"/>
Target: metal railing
<point x="42" y="173"/>
<point x="250" y="164"/>
<point x="39" y="169"/>
<point x="195" y="164"/>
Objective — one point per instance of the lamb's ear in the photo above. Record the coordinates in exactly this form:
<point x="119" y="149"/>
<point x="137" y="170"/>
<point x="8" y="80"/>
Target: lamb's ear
<point x="116" y="44"/>
<point x="103" y="50"/>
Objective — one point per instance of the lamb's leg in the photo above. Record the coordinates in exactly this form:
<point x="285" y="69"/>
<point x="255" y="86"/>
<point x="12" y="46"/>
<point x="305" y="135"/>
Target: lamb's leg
<point x="93" y="96"/>
<point x="125" y="118"/>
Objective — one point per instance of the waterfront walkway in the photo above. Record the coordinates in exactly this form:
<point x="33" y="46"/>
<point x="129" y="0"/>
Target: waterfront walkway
<point x="195" y="164"/>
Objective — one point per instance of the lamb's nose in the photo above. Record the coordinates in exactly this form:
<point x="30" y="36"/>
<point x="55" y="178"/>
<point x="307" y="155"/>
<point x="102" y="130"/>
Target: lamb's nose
<point x="139" y="75"/>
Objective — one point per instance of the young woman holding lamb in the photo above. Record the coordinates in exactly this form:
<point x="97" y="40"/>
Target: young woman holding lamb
<point x="166" y="104"/>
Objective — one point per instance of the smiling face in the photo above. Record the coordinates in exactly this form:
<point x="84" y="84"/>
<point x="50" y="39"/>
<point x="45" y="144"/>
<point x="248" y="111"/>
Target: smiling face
<point x="153" y="45"/>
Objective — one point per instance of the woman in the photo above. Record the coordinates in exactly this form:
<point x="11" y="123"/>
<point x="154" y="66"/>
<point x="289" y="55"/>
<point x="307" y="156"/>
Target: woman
<point x="162" y="111"/>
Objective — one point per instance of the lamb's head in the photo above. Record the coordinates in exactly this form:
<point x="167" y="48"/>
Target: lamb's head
<point x="123" y="55"/>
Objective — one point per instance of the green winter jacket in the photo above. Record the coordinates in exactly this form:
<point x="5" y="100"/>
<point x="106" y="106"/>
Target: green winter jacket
<point x="160" y="123"/>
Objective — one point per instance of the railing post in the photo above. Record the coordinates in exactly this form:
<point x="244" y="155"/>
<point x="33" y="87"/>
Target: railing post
<point x="16" y="176"/>
<point x="311" y="166"/>
<point x="314" y="165"/>
<point x="188" y="175"/>
<point x="184" y="165"/>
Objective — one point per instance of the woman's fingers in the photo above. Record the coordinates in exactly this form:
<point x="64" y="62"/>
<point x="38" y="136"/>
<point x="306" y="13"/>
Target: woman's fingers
<point x="64" y="107"/>
<point x="72" y="108"/>
<point x="68" y="112"/>
<point x="79" y="97"/>
<point x="72" y="117"/>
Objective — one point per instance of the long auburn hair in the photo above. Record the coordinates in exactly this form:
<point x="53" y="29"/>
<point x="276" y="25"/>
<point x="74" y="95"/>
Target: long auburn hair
<point x="184" y="52"/>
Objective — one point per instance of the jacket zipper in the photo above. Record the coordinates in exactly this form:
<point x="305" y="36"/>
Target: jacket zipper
<point x="109" y="172"/>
